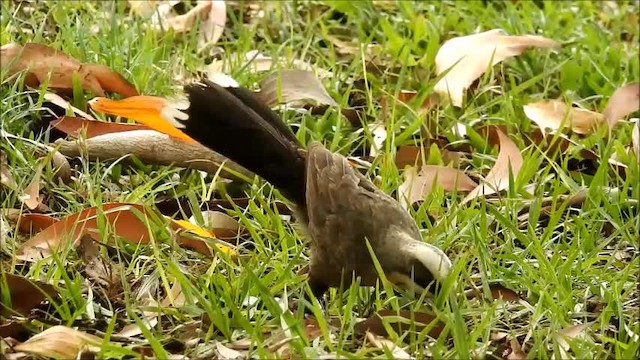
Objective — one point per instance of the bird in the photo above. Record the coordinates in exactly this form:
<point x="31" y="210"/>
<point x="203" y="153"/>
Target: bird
<point x="341" y="209"/>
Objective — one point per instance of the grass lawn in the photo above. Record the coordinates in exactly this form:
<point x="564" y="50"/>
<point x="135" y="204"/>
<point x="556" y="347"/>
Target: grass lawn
<point x="569" y="271"/>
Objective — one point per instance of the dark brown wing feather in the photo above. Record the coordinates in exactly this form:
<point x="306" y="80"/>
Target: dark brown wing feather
<point x="234" y="123"/>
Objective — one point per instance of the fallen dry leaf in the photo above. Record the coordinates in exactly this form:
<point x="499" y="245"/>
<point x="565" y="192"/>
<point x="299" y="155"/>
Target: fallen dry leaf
<point x="470" y="56"/>
<point x="128" y="221"/>
<point x="75" y="126"/>
<point x="59" y="101"/>
<point x="293" y="86"/>
<point x="60" y="342"/>
<point x="379" y="132"/>
<point x="98" y="269"/>
<point x="497" y="292"/>
<point x="213" y="26"/>
<point x="400" y="321"/>
<point x="226" y="353"/>
<point x="382" y="343"/>
<point x="42" y="62"/>
<point x="555" y="115"/>
<point x="25" y="294"/>
<point x="623" y="102"/>
<point x="509" y="161"/>
<point x="31" y="222"/>
<point x="223" y="225"/>
<point x="31" y="197"/>
<point x="255" y="61"/>
<point x="6" y="179"/>
<point x="428" y="103"/>
<point x="418" y="185"/>
<point x="564" y="336"/>
<point x="517" y="353"/>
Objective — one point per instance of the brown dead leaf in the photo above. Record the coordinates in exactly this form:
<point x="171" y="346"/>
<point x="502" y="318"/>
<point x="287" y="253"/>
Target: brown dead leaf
<point x="517" y="353"/>
<point x="509" y="161"/>
<point x="98" y="269"/>
<point x="401" y="322"/>
<point x="385" y="344"/>
<point x="555" y="115"/>
<point x="497" y="292"/>
<point x="213" y="26"/>
<point x="25" y="294"/>
<point x="470" y="56"/>
<point x="623" y="102"/>
<point x="31" y="223"/>
<point x="418" y="185"/>
<point x="293" y="86"/>
<point x="226" y="353"/>
<point x="60" y="342"/>
<point x="74" y="126"/>
<point x="42" y="62"/>
<point x="410" y="155"/>
<point x="31" y="196"/>
<point x="428" y="103"/>
<point x="565" y="336"/>
<point x="6" y="179"/>
<point x="128" y="221"/>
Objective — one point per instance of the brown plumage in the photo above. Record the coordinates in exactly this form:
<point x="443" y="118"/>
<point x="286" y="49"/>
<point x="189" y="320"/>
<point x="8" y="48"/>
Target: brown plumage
<point x="341" y="208"/>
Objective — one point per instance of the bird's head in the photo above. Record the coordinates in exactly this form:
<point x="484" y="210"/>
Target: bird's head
<point x="417" y="263"/>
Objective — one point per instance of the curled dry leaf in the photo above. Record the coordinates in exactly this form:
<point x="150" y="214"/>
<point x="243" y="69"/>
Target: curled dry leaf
<point x="468" y="57"/>
<point x="226" y="353"/>
<point x="623" y="102"/>
<point x="25" y="294"/>
<point x="75" y="126"/>
<point x="401" y="321"/>
<point x="293" y="86"/>
<point x="379" y="132"/>
<point x="565" y="336"/>
<point x="428" y="103"/>
<point x="6" y="179"/>
<point x="31" y="222"/>
<point x="509" y="161"/>
<point x="98" y="269"/>
<point x="497" y="291"/>
<point x="31" y="197"/>
<point x="213" y="25"/>
<point x="42" y="62"/>
<point x="154" y="148"/>
<point x="418" y="185"/>
<point x="60" y="342"/>
<point x="385" y="344"/>
<point x="555" y="115"/>
<point x="129" y="221"/>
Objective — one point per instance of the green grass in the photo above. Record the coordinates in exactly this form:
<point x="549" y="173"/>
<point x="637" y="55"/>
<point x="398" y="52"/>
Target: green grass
<point x="573" y="267"/>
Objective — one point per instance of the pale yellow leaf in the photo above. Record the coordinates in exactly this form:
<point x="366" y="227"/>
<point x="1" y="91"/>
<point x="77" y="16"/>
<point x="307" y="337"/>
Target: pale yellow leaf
<point x="555" y="115"/>
<point x="418" y="185"/>
<point x="213" y="26"/>
<point x="382" y="343"/>
<point x="623" y="102"/>
<point x="509" y="161"/>
<point x="293" y="86"/>
<point x="60" y="342"/>
<point x="470" y="56"/>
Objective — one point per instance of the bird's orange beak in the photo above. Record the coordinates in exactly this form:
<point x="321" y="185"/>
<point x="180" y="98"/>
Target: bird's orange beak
<point x="143" y="109"/>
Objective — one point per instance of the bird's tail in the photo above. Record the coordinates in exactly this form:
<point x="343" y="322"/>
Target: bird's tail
<point x="230" y="120"/>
